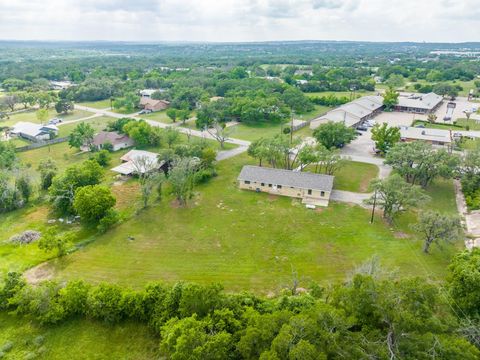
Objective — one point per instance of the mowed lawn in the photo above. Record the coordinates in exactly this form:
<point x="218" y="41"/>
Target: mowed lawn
<point x="30" y="116"/>
<point x="76" y="339"/>
<point x="101" y="104"/>
<point x="352" y="176"/>
<point x="99" y="123"/>
<point x="249" y="241"/>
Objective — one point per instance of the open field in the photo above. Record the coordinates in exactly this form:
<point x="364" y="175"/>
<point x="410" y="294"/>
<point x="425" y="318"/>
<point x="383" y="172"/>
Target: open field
<point x="253" y="132"/>
<point x="98" y="123"/>
<point x="30" y="116"/>
<point x="250" y="241"/>
<point x="76" y="339"/>
<point x="160" y="116"/>
<point x="355" y="176"/>
<point x="101" y="104"/>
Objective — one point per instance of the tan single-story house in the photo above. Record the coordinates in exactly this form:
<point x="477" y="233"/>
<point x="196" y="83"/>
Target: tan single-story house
<point x="118" y="141"/>
<point x="313" y="189"/>
<point x="34" y="132"/>
<point x="431" y="136"/>
<point x="148" y="103"/>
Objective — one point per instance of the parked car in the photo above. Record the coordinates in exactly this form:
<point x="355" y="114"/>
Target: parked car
<point x="55" y="121"/>
<point x="362" y="128"/>
<point x="420" y="126"/>
<point x="145" y="111"/>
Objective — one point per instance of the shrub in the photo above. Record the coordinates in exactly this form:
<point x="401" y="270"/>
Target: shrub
<point x="104" y="303"/>
<point x="109" y="220"/>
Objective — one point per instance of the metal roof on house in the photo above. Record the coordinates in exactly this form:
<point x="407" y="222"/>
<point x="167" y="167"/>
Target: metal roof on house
<point x="133" y="165"/>
<point x="420" y="101"/>
<point x="304" y="180"/>
<point x="414" y="133"/>
<point x="32" y="129"/>
<point x="353" y="112"/>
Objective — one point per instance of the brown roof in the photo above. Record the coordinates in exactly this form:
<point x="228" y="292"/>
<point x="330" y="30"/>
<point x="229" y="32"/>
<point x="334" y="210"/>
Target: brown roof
<point x="152" y="102"/>
<point x="111" y="137"/>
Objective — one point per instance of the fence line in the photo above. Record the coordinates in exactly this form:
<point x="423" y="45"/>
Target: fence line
<point x="42" y="143"/>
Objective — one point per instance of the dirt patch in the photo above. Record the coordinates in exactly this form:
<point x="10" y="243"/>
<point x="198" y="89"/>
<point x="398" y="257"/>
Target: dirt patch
<point x="401" y="235"/>
<point x="38" y="274"/>
<point x="319" y="209"/>
<point x="272" y="197"/>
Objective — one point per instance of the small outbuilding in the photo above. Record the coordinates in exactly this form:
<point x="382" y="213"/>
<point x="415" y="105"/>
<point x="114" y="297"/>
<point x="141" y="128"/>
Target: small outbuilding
<point x="313" y="189"/>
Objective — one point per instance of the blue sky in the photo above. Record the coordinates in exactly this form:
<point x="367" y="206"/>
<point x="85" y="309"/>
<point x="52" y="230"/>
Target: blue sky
<point x="241" y="20"/>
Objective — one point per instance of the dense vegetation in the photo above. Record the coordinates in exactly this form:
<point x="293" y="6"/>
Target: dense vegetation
<point x="365" y="317"/>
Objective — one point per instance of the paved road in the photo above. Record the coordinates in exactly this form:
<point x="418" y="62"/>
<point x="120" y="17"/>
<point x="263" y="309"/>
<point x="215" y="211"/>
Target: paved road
<point x="349" y="197"/>
<point x="222" y="155"/>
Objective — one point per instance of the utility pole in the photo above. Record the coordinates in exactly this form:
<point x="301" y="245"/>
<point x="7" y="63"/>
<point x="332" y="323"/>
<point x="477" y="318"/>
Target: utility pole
<point x="374" y="204"/>
<point x="291" y="128"/>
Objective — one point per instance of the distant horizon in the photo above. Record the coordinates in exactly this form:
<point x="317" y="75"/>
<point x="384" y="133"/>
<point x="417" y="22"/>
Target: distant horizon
<point x="233" y="42"/>
<point x="234" y="21"/>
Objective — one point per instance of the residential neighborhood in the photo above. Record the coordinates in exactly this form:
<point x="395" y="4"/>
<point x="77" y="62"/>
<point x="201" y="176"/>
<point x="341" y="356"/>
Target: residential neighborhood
<point x="239" y="180"/>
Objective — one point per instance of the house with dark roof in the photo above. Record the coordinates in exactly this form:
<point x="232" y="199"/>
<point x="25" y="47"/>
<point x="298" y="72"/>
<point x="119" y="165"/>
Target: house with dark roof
<point x="117" y="140"/>
<point x="313" y="189"/>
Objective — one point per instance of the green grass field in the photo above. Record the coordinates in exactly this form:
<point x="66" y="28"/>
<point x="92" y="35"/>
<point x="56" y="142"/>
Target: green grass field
<point x="353" y="176"/>
<point x="160" y="116"/>
<point x="76" y="339"/>
<point x="98" y="123"/>
<point x="250" y="241"/>
<point x="30" y="116"/>
<point x="102" y="104"/>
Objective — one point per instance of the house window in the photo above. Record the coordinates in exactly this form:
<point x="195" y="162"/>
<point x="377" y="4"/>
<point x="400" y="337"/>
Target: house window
<point x="247" y="182"/>
<point x="322" y="193"/>
<point x="309" y="191"/>
<point x="263" y="184"/>
<point x="279" y="186"/>
<point x="269" y="185"/>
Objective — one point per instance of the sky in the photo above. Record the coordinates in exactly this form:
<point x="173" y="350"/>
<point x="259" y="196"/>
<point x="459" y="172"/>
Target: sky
<point x="241" y="20"/>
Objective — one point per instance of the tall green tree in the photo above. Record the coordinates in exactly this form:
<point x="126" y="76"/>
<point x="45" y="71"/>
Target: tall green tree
<point x="334" y="134"/>
<point x="393" y="195"/>
<point x="385" y="137"/>
<point x="93" y="202"/>
<point x="83" y="134"/>
<point x="419" y="163"/>
<point x="436" y="227"/>
<point x="390" y="98"/>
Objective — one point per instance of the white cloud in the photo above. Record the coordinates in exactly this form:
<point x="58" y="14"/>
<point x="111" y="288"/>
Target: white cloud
<point x="241" y="20"/>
